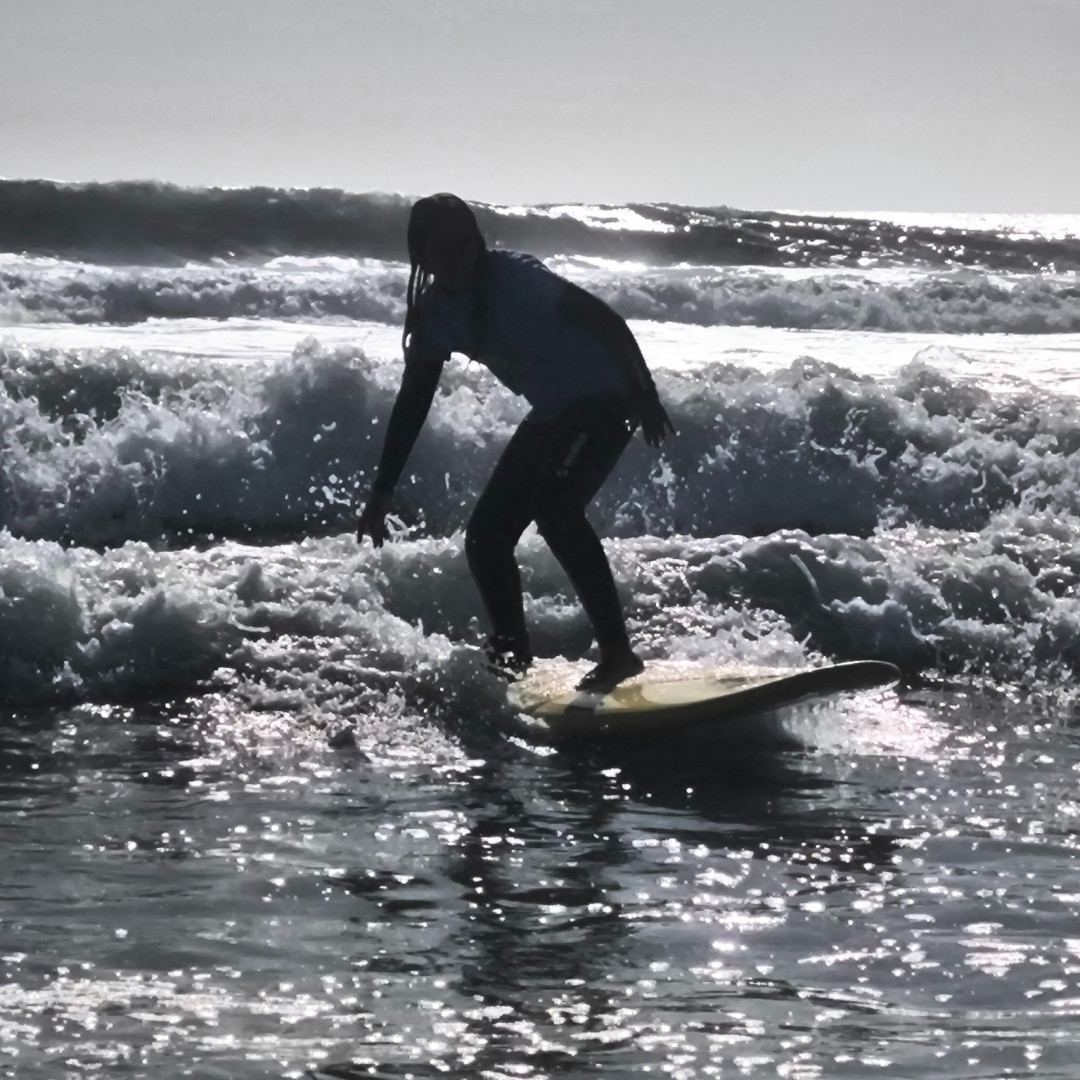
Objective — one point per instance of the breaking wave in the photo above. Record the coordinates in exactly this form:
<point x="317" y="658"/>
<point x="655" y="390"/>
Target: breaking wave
<point x="952" y="302"/>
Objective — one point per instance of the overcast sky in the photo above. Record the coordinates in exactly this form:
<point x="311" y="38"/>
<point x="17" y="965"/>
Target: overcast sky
<point x="816" y="104"/>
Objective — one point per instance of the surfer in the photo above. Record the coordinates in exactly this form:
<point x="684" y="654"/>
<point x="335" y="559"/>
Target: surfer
<point x="577" y="364"/>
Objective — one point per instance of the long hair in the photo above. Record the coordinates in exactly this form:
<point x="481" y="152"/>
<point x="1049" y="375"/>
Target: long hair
<point x="426" y="216"/>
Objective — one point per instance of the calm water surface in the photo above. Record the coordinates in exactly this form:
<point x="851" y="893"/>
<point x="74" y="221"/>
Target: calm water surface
<point x="191" y="894"/>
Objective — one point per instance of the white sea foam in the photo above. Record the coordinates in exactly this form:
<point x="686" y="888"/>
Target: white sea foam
<point x="958" y="302"/>
<point x="106" y="445"/>
<point x="921" y="519"/>
<point x="393" y="624"/>
<point x="58" y="291"/>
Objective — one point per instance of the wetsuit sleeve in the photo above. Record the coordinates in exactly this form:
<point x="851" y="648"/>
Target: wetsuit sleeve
<point x="591" y="314"/>
<point x="418" y="384"/>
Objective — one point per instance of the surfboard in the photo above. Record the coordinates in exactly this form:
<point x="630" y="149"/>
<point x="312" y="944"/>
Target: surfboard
<point x="665" y="701"/>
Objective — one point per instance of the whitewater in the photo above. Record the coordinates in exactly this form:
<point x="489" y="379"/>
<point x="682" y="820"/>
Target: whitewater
<point x="266" y="813"/>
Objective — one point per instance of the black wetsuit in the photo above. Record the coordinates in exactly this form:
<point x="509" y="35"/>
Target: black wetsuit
<point x="576" y="363"/>
<point x="549" y="472"/>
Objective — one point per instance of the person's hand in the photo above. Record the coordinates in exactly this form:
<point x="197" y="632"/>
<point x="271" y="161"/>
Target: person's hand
<point x="372" y="522"/>
<point x="656" y="425"/>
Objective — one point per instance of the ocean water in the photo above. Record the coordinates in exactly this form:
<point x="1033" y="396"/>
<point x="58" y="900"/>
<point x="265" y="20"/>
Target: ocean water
<point x="263" y="812"/>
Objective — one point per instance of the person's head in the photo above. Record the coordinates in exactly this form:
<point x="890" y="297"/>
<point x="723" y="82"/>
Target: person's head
<point x="446" y="248"/>
<point x="445" y="241"/>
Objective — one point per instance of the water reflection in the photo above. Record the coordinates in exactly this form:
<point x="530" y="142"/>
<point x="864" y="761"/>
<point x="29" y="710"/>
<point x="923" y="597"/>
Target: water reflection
<point x="573" y="878"/>
<point x="167" y="893"/>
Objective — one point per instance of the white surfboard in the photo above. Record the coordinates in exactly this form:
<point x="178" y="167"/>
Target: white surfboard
<point x="664" y="701"/>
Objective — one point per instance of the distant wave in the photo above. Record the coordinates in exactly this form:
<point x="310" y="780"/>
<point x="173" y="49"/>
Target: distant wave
<point x="85" y="293"/>
<point x="951" y="302"/>
<point x="154" y="223"/>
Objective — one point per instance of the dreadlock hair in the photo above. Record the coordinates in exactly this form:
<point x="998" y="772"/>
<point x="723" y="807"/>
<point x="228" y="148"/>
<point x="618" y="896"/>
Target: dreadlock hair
<point x="426" y="215"/>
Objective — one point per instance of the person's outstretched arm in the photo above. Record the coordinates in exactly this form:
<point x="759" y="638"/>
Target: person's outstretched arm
<point x="418" y="384"/>
<point x="591" y="314"/>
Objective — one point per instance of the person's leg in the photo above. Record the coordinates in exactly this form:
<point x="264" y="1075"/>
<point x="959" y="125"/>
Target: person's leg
<point x="591" y="440"/>
<point x="574" y="542"/>
<point x="504" y="509"/>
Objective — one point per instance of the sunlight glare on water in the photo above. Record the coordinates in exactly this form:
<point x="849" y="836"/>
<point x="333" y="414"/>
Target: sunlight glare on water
<point x="871" y="906"/>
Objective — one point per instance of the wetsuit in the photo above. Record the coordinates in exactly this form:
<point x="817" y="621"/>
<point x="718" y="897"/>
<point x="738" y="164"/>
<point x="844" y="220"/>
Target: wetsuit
<point x="576" y="363"/>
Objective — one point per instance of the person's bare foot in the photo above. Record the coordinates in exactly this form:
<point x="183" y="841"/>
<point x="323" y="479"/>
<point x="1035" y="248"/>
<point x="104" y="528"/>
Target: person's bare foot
<point x="507" y="658"/>
<point x="614" y="667"/>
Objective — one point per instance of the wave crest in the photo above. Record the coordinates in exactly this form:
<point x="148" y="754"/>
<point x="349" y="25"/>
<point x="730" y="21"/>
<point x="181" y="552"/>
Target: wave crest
<point x="155" y="223"/>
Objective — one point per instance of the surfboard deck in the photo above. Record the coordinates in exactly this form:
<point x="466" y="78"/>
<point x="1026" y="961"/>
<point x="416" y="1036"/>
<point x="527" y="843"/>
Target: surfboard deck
<point x="663" y="701"/>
